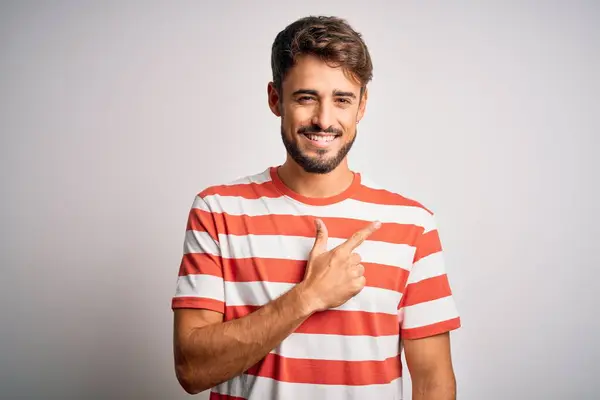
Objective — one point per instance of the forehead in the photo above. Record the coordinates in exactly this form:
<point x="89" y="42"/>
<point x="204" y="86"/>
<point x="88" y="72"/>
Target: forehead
<point x="309" y="72"/>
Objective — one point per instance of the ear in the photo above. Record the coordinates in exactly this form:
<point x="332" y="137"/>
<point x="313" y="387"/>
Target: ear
<point x="274" y="99"/>
<point x="362" y="105"/>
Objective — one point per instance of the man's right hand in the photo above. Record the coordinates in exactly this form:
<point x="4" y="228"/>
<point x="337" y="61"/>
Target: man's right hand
<point x="333" y="277"/>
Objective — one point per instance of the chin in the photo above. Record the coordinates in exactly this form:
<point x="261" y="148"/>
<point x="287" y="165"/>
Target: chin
<point x="315" y="164"/>
<point x="315" y="160"/>
<point x="321" y="169"/>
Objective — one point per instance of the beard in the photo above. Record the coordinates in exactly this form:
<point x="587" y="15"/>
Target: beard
<point x="317" y="164"/>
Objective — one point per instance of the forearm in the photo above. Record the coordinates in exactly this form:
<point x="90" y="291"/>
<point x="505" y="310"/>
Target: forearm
<point x="219" y="352"/>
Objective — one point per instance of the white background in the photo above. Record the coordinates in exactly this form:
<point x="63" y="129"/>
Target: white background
<point x="114" y="114"/>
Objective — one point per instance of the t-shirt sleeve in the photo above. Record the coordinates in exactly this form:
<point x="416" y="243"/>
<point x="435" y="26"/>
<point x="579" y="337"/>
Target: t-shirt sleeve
<point x="427" y="307"/>
<point x="200" y="282"/>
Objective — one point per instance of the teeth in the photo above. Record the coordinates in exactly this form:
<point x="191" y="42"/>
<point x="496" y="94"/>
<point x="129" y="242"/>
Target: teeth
<point x="321" y="138"/>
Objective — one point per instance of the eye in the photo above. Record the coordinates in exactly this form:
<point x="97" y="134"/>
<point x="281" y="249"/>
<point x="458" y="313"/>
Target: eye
<point x="344" y="100"/>
<point x="304" y="99"/>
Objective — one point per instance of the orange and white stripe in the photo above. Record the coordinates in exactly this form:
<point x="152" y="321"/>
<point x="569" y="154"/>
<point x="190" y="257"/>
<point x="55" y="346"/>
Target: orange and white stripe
<point x="262" y="387"/>
<point x="247" y="243"/>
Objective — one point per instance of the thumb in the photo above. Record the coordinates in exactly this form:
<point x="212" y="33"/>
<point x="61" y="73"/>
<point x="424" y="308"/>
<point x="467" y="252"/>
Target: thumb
<point x="320" y="245"/>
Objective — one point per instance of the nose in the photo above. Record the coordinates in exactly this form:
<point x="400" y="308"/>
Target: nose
<point x="323" y="116"/>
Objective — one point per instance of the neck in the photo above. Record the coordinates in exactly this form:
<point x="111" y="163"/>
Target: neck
<point x="316" y="185"/>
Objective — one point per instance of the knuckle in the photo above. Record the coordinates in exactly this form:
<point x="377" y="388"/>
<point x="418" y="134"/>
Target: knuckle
<point x="361" y="269"/>
<point x="358" y="236"/>
<point x="336" y="253"/>
<point x="359" y="283"/>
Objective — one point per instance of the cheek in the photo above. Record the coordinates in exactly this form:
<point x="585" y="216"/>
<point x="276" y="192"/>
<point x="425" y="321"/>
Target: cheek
<point x="294" y="119"/>
<point x="346" y="117"/>
<point x="348" y="124"/>
<point x="301" y="116"/>
<point x="290" y="127"/>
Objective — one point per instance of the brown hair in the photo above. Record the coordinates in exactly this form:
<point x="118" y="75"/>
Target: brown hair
<point x="330" y="38"/>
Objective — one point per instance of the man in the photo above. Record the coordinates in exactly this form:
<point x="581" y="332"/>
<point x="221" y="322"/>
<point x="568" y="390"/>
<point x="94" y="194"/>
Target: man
<point x="306" y="281"/>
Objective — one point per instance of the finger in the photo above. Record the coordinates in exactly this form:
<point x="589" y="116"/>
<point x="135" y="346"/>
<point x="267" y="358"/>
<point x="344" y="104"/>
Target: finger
<point x="320" y="245"/>
<point x="355" y="259"/>
<point x="360" y="236"/>
<point x="359" y="270"/>
<point x="360" y="283"/>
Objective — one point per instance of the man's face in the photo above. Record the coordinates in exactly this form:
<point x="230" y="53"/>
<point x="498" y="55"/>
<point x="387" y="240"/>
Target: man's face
<point x="319" y="108"/>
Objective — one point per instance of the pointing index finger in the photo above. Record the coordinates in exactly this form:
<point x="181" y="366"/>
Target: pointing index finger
<point x="360" y="236"/>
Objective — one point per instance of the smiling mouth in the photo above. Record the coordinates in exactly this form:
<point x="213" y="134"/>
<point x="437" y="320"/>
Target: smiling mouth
<point x="320" y="138"/>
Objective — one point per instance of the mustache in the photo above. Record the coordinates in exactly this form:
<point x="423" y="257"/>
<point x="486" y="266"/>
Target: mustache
<point x="317" y="129"/>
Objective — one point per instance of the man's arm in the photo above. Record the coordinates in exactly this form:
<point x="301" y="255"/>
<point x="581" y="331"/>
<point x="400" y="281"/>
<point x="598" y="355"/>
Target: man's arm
<point x="430" y="365"/>
<point x="209" y="351"/>
<point x="428" y="313"/>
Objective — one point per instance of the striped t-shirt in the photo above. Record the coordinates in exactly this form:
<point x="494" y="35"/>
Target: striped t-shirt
<point x="247" y="242"/>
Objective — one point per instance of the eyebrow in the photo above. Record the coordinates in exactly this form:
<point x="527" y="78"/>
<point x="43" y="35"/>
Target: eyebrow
<point x="339" y="93"/>
<point x="312" y="92"/>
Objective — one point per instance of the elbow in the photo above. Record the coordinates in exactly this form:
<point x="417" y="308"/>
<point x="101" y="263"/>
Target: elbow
<point x="190" y="381"/>
<point x="189" y="375"/>
<point x="189" y="388"/>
